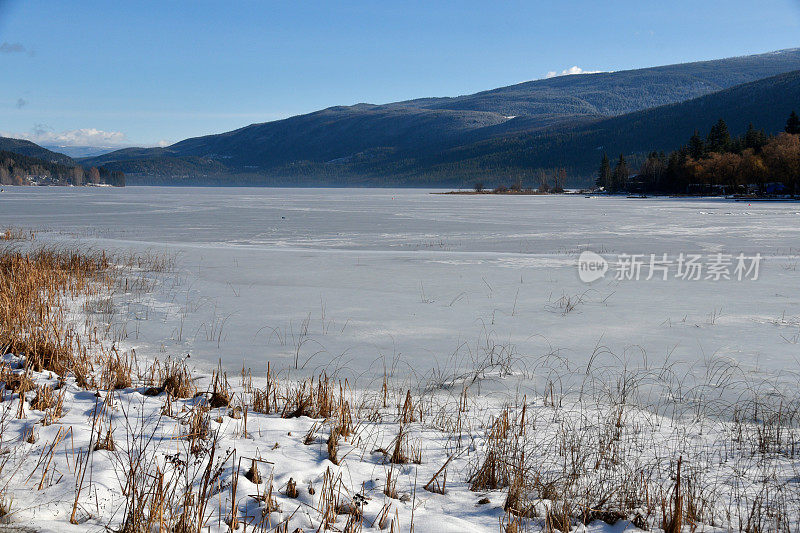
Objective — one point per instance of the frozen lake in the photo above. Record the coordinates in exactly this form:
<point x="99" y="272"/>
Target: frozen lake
<point x="358" y="280"/>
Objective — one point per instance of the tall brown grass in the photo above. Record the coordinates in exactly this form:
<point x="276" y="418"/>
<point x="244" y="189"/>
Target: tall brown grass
<point x="16" y="234"/>
<point x="33" y="286"/>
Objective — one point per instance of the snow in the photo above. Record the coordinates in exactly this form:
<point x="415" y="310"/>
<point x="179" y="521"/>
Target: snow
<point x="138" y="422"/>
<point x="430" y="286"/>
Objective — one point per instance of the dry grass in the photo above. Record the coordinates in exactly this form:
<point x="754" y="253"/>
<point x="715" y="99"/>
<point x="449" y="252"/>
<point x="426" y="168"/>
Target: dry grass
<point x="176" y="500"/>
<point x="35" y="285"/>
<point x="291" y="489"/>
<point x="315" y="398"/>
<point x="16" y="234"/>
<point x="672" y="508"/>
<point x="32" y="321"/>
<point x="494" y="471"/>
<point x="5" y="505"/>
<point x="171" y="376"/>
<point x="333" y="447"/>
<point x="198" y="427"/>
<point x="106" y="442"/>
<point x="265" y="400"/>
<point x="590" y="447"/>
<point x="50" y="402"/>
<point x="390" y="487"/>
<point x="116" y="372"/>
<point x="253" y="475"/>
<point x="220" y="395"/>
<point x="583" y="471"/>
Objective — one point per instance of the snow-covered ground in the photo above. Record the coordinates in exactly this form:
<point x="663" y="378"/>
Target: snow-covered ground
<point x="439" y="291"/>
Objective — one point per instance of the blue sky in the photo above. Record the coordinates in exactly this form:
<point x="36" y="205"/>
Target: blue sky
<point x="143" y="73"/>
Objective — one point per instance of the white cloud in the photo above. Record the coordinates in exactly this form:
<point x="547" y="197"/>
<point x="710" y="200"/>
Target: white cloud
<point x="163" y="142"/>
<point x="571" y="71"/>
<point x="42" y="134"/>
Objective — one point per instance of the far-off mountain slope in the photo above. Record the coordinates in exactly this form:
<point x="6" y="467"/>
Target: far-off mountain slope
<point x="417" y="141"/>
<point x="764" y="103"/>
<point x="29" y="149"/>
<point x="617" y="93"/>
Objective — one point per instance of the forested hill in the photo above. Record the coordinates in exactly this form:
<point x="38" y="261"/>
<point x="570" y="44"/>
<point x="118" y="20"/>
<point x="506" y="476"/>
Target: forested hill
<point x="445" y="141"/>
<point x="764" y="103"/>
<point x="23" y="147"/>
<point x="617" y="93"/>
<point x="19" y="169"/>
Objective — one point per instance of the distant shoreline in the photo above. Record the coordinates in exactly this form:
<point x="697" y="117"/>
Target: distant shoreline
<point x="509" y="193"/>
<point x="590" y="194"/>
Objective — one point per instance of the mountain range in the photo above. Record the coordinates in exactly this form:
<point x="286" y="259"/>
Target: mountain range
<point x="80" y="151"/>
<point x="506" y="133"/>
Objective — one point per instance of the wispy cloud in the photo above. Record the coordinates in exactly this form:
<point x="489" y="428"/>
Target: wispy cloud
<point x="571" y="71"/>
<point x="14" y="48"/>
<point x="21" y="102"/>
<point x="43" y="134"/>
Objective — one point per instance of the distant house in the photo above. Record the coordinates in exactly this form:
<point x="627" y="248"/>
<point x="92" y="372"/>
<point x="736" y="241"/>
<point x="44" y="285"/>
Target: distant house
<point x="635" y="184"/>
<point x="705" y="189"/>
<point x="774" y="187"/>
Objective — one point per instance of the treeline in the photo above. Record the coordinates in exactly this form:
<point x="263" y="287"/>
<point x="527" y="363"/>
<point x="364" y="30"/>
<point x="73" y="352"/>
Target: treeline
<point x="717" y="164"/>
<point x="545" y="186"/>
<point x="171" y="166"/>
<point x="18" y="169"/>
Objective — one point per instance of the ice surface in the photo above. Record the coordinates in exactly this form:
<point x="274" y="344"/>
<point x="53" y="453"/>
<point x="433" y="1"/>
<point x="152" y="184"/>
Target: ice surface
<point x="362" y="279"/>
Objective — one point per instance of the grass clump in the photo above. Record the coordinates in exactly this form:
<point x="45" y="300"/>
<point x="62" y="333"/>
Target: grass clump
<point x="5" y="506"/>
<point x="16" y="234"/>
<point x="173" y="377"/>
<point x="33" y="286"/>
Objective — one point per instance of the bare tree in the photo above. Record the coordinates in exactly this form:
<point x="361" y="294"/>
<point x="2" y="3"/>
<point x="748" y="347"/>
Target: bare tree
<point x="560" y="177"/>
<point x="94" y="175"/>
<point x="544" y="186"/>
<point x="77" y="176"/>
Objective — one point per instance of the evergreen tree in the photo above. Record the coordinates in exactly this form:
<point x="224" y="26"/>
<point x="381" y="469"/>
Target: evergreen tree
<point x="604" y="173"/>
<point x="793" y="124"/>
<point x="117" y="179"/>
<point x="755" y="139"/>
<point x="621" y="174"/>
<point x="696" y="146"/>
<point x="674" y="175"/>
<point x="719" y="138"/>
